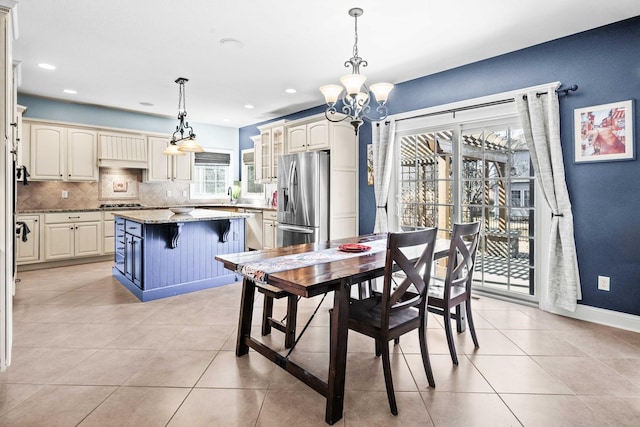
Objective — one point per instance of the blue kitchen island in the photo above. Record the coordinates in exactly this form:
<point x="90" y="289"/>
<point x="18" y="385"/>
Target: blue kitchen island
<point x="159" y="253"/>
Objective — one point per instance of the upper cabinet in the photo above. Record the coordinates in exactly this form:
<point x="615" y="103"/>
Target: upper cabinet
<point x="343" y="189"/>
<point x="309" y="136"/>
<point x="162" y="168"/>
<point x="271" y="145"/>
<point x="82" y="151"/>
<point x="63" y="153"/>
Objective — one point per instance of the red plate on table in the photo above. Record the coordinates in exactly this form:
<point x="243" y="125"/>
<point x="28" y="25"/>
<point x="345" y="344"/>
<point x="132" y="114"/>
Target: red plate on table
<point x="353" y="247"/>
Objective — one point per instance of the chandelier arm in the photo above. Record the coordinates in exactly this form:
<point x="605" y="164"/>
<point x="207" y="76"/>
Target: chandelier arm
<point x="330" y="113"/>
<point x="381" y="110"/>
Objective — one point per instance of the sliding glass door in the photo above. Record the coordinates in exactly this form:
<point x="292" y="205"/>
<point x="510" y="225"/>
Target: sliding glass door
<point x="470" y="172"/>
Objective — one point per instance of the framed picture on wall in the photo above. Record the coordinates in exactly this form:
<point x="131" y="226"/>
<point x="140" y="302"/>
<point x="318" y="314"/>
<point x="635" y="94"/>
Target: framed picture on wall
<point x="604" y="132"/>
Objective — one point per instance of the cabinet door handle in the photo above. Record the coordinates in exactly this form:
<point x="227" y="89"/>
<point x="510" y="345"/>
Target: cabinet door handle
<point x="74" y="217"/>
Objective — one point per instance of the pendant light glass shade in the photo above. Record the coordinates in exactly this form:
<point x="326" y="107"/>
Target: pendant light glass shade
<point x="381" y="91"/>
<point x="331" y="93"/>
<point x="172" y="150"/>
<point x="190" y="145"/>
<point x="353" y="83"/>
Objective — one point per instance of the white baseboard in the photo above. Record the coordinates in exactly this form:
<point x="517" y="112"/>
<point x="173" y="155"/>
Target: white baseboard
<point x="601" y="316"/>
<point x="615" y="319"/>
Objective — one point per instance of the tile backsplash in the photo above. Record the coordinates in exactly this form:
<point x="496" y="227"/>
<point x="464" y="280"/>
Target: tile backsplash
<point x="89" y="195"/>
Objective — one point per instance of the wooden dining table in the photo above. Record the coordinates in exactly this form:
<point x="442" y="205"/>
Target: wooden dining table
<point x="337" y="275"/>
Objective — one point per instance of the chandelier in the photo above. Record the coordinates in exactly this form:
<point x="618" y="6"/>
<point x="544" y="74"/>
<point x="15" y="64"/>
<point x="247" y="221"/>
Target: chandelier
<point x="187" y="143"/>
<point x="357" y="96"/>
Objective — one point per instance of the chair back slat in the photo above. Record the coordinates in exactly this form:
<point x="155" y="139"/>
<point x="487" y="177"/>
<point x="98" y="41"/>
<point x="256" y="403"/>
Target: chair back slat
<point x="410" y="253"/>
<point x="462" y="256"/>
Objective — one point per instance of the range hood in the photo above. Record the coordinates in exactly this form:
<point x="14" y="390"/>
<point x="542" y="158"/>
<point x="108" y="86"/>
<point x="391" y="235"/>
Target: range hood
<point x="117" y="150"/>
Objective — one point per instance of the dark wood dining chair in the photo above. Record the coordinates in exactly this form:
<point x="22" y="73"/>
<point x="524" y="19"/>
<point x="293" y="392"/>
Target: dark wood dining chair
<point x="399" y="309"/>
<point x="449" y="293"/>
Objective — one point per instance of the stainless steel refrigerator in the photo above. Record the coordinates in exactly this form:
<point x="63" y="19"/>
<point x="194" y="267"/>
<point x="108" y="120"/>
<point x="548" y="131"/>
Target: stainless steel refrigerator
<point x="303" y="198"/>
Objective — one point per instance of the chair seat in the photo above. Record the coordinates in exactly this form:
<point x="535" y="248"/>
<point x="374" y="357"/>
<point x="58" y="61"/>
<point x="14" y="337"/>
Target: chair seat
<point x="368" y="311"/>
<point x="436" y="289"/>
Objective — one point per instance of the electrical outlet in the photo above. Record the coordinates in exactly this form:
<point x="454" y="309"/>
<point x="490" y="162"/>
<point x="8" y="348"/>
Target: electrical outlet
<point x="603" y="283"/>
<point x="168" y="193"/>
<point x="65" y="194"/>
<point x="185" y="193"/>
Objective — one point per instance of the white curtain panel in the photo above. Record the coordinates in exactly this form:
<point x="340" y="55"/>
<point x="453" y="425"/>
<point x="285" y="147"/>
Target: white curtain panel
<point x="382" y="140"/>
<point x="540" y="118"/>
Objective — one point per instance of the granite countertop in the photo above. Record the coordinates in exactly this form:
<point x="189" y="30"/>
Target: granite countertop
<point x="122" y="209"/>
<point x="165" y="216"/>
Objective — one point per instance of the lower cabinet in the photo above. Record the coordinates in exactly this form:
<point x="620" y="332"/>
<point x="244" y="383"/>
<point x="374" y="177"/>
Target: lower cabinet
<point x="69" y="235"/>
<point x="28" y="244"/>
<point x="129" y="250"/>
<point x="119" y="244"/>
<point x="133" y="253"/>
<point x="108" y="240"/>
<point x="269" y="230"/>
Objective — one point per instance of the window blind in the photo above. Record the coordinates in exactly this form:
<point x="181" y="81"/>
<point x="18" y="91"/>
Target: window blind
<point x="209" y="158"/>
<point x="248" y="157"/>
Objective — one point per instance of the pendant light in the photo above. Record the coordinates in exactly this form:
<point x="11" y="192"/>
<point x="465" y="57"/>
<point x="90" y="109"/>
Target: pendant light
<point x="179" y="146"/>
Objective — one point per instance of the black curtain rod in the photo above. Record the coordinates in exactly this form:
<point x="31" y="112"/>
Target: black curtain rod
<point x="559" y="91"/>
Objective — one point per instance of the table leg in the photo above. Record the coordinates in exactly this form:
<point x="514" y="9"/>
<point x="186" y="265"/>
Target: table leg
<point x="338" y="352"/>
<point x="246" y="313"/>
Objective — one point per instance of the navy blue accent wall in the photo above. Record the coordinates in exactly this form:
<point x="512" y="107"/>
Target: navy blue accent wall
<point x="605" y="64"/>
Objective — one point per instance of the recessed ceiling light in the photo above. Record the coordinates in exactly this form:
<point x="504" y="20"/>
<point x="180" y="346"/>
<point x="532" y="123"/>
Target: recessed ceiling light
<point x="47" y="66"/>
<point x="70" y="91"/>
<point x="146" y="104"/>
<point x="249" y="106"/>
<point x="290" y="90"/>
<point x="231" y="43"/>
<point x="226" y="120"/>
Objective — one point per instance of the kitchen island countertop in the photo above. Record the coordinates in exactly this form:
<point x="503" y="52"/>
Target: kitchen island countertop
<point x="165" y="216"/>
<point x="126" y="209"/>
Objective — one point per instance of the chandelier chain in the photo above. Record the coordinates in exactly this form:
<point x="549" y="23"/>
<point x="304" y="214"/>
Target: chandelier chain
<point x="355" y="44"/>
<point x="182" y="99"/>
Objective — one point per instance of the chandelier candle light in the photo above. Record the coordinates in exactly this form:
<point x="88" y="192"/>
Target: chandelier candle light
<point x="357" y="95"/>
<point x="189" y="143"/>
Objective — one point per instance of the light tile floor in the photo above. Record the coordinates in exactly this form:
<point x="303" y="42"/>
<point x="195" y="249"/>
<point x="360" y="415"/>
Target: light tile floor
<point x="88" y="353"/>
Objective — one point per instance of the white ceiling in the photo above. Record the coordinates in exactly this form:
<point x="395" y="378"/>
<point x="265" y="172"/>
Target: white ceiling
<point x="119" y="53"/>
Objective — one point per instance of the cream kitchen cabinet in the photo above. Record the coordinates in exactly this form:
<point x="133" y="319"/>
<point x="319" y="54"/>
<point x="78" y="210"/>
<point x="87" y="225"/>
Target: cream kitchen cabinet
<point x="164" y="168"/>
<point x="318" y="133"/>
<point x="108" y="233"/>
<point x="269" y="227"/>
<point x="21" y="138"/>
<point x="72" y="234"/>
<point x="28" y="251"/>
<point x="61" y="153"/>
<point x="310" y="136"/>
<point x="272" y="144"/>
<point x="343" y="186"/>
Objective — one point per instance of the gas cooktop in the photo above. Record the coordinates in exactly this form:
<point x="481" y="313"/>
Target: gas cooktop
<point x="120" y="205"/>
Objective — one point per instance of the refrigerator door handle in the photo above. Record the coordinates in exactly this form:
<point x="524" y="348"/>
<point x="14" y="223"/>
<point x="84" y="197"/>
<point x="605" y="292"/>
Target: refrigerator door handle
<point x="293" y="172"/>
<point x="293" y="228"/>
